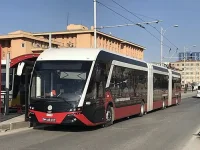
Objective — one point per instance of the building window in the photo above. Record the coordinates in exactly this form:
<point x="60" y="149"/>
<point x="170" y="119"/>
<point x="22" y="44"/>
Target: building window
<point x="177" y="64"/>
<point x="23" y="44"/>
<point x="191" y="72"/>
<point x="182" y="64"/>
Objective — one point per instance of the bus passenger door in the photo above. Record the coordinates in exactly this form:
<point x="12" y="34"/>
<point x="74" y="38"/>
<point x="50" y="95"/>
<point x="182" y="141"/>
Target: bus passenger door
<point x="94" y="108"/>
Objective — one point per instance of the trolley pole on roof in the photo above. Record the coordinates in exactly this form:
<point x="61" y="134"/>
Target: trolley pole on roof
<point x="6" y="108"/>
<point x="95" y="24"/>
<point x="0" y="80"/>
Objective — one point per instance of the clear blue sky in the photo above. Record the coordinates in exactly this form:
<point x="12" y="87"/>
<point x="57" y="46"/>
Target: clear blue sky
<point x="51" y="15"/>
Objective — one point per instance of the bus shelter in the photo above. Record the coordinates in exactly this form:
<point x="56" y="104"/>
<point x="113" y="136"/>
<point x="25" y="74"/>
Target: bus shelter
<point x="18" y="84"/>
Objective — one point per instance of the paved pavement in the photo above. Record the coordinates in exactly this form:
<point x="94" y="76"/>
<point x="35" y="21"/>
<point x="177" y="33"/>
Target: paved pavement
<point x="188" y="94"/>
<point x="169" y="129"/>
<point x="4" y="118"/>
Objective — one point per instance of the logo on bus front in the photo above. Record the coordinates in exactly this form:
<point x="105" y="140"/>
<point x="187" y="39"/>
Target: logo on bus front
<point x="49" y="107"/>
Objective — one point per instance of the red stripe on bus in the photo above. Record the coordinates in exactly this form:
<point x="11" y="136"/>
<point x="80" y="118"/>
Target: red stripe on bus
<point x="145" y="107"/>
<point x="85" y="121"/>
<point x="173" y="101"/>
<point x="126" y="111"/>
<point x="157" y="104"/>
<point x="166" y="103"/>
<point x="58" y="116"/>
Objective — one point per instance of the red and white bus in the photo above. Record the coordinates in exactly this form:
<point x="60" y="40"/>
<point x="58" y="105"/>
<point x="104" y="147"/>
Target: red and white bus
<point x="93" y="86"/>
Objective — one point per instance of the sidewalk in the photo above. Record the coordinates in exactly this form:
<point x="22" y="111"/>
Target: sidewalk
<point x="13" y="123"/>
<point x="193" y="144"/>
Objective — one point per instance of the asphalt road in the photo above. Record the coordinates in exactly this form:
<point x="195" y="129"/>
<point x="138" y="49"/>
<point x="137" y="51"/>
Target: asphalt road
<point x="167" y="129"/>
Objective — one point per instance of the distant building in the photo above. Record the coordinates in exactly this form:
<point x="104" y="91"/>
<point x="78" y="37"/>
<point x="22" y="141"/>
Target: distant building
<point x="20" y="42"/>
<point x="189" y="56"/>
<point x="190" y="72"/>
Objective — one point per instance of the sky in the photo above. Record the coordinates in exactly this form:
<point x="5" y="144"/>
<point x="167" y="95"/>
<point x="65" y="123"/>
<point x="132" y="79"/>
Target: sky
<point x="51" y="15"/>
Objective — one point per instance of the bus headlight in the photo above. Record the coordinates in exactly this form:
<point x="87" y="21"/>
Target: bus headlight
<point x="31" y="108"/>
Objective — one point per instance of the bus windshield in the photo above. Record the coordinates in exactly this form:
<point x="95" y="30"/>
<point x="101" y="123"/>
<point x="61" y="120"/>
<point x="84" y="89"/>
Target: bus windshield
<point x="56" y="80"/>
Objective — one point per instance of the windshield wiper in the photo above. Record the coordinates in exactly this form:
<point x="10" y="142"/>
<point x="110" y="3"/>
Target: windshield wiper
<point x="60" y="98"/>
<point x="53" y="98"/>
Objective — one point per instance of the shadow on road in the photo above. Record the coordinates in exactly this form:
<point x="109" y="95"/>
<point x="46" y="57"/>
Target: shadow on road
<point x="68" y="128"/>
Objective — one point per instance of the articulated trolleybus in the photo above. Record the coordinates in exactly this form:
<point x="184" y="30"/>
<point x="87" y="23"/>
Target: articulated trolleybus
<point x="93" y="86"/>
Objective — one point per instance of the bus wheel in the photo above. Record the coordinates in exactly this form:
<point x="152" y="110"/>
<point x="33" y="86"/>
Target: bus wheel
<point x="142" y="109"/>
<point x="163" y="105"/>
<point x="177" y="101"/>
<point x="109" y="116"/>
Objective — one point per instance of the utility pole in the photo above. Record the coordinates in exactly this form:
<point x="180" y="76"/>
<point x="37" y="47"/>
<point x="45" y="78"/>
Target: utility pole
<point x="6" y="108"/>
<point x="50" y="40"/>
<point x="95" y="24"/>
<point x="161" y="46"/>
<point x="195" y="68"/>
<point x="0" y="80"/>
<point x="184" y="67"/>
<point x="162" y="32"/>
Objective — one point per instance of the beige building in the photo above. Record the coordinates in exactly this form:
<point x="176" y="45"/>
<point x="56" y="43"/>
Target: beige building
<point x="18" y="43"/>
<point x="190" y="72"/>
<point x="79" y="36"/>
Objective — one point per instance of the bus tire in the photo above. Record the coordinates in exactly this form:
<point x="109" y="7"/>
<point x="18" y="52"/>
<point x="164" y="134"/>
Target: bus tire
<point x="142" y="109"/>
<point x="177" y="101"/>
<point x="109" y="116"/>
<point x="163" y="104"/>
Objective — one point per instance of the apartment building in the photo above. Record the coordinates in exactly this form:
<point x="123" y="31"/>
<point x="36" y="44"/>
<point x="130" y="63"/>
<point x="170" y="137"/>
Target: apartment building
<point x="190" y="70"/>
<point x="79" y="36"/>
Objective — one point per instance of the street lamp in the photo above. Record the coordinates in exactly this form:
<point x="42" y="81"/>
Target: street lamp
<point x="184" y="61"/>
<point x="161" y="42"/>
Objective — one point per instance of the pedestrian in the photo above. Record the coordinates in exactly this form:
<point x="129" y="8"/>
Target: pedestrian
<point x="192" y="88"/>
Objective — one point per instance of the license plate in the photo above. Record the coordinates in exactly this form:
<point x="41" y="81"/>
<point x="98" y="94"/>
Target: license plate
<point x="49" y="119"/>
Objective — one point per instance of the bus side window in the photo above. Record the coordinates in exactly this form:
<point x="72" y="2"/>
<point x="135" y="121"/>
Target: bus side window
<point x="92" y="91"/>
<point x="96" y="89"/>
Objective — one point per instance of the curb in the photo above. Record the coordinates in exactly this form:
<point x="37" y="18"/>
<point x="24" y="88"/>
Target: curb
<point x="14" y="125"/>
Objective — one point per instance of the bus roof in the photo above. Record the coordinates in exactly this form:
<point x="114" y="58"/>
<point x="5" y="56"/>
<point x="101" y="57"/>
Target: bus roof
<point x="86" y="54"/>
<point x="160" y="68"/>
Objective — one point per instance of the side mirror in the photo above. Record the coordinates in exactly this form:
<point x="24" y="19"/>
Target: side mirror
<point x="20" y="68"/>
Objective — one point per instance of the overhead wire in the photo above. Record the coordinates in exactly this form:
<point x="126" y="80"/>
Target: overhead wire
<point x="119" y="14"/>
<point x="143" y="20"/>
<point x="132" y="22"/>
<point x="134" y="12"/>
